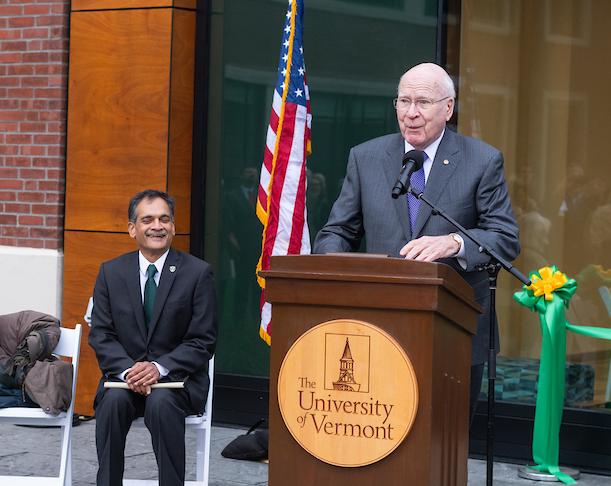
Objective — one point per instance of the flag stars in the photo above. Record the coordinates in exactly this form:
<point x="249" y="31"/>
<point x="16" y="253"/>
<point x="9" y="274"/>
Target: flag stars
<point x="301" y="50"/>
<point x="288" y="14"/>
<point x="286" y="43"/>
<point x="301" y="71"/>
<point x="298" y="93"/>
<point x="283" y="72"/>
<point x="285" y="57"/>
<point x="287" y="29"/>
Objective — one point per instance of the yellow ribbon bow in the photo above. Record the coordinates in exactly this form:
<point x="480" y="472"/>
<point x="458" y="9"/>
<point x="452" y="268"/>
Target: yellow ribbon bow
<point x="549" y="281"/>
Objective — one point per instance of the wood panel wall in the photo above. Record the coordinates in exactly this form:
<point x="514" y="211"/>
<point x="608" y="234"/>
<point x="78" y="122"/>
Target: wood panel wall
<point x="118" y="4"/>
<point x="130" y="112"/>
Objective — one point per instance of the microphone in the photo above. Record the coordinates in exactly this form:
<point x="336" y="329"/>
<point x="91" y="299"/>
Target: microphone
<point x="412" y="161"/>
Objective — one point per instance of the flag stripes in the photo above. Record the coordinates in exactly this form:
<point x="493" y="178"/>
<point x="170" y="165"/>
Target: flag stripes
<point x="281" y="197"/>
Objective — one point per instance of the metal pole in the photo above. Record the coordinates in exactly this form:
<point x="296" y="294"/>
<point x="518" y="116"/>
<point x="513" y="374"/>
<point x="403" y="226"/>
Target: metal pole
<point x="493" y="270"/>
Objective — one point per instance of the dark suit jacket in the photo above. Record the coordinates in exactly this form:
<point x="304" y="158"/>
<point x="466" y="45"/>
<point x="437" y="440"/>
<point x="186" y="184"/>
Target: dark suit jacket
<point x="470" y="188"/>
<point x="182" y="333"/>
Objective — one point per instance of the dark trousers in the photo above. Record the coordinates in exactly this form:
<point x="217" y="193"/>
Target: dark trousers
<point x="164" y="414"/>
<point x="477" y="373"/>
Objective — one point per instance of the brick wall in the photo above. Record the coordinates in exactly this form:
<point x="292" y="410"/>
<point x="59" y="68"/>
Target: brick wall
<point x="33" y="100"/>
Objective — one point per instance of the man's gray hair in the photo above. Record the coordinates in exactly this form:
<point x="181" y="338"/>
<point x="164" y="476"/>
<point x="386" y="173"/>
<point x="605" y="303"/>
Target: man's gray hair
<point x="149" y="194"/>
<point x="448" y="85"/>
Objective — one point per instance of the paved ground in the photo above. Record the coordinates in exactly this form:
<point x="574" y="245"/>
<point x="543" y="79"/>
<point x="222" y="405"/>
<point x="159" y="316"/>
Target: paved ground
<point x="31" y="451"/>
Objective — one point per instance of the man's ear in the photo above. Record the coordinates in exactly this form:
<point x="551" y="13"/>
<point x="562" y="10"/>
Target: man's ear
<point x="131" y="229"/>
<point x="450" y="111"/>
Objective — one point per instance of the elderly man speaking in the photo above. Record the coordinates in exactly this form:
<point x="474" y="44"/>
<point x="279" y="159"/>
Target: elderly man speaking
<point x="461" y="175"/>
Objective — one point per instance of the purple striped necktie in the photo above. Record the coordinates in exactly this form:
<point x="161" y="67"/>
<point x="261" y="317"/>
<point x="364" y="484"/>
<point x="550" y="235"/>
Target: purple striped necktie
<point x="413" y="203"/>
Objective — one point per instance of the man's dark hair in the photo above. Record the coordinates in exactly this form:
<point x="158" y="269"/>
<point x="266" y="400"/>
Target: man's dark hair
<point x="149" y="194"/>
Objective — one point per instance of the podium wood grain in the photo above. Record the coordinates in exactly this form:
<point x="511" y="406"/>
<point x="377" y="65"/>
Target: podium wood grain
<point x="429" y="310"/>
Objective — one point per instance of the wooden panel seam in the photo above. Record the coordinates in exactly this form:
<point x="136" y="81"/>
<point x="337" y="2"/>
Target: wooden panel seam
<point x="94" y="5"/>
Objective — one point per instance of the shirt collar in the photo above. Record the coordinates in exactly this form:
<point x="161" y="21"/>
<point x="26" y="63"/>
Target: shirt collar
<point x="431" y="150"/>
<point x="144" y="263"/>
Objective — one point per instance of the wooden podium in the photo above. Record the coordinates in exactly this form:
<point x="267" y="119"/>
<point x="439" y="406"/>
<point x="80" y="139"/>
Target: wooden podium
<point x="429" y="311"/>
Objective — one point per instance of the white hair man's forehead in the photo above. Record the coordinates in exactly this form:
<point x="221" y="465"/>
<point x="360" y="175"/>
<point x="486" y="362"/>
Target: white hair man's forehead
<point x="428" y="77"/>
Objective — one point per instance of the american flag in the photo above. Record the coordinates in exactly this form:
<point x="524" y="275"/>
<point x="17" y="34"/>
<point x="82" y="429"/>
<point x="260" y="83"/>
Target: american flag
<point x="281" y="202"/>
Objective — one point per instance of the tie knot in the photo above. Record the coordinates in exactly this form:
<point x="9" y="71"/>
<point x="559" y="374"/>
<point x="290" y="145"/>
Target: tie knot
<point x="151" y="271"/>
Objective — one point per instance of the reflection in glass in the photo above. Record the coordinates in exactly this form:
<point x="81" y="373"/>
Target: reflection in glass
<point x="533" y="94"/>
<point x="356" y="53"/>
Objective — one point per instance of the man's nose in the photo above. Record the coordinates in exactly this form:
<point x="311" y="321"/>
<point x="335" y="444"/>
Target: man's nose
<point x="412" y="111"/>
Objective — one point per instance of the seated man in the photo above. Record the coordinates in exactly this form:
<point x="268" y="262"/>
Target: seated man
<point x="154" y="317"/>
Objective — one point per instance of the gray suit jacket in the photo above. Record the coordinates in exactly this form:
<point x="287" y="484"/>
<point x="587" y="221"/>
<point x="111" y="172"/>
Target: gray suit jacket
<point x="470" y="188"/>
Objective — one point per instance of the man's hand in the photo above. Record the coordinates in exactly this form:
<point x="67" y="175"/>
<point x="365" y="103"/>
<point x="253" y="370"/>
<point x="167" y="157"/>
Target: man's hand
<point x="141" y="376"/>
<point x="430" y="248"/>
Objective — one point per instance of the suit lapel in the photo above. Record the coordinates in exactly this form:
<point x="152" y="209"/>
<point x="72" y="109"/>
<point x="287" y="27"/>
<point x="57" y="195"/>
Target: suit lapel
<point x="438" y="178"/>
<point x="392" y="166"/>
<point x="132" y="282"/>
<point x="170" y="268"/>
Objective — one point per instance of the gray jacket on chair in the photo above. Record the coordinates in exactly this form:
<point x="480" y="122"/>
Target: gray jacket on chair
<point x="27" y="340"/>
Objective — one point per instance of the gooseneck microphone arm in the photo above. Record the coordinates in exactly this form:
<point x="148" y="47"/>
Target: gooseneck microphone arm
<point x="482" y="248"/>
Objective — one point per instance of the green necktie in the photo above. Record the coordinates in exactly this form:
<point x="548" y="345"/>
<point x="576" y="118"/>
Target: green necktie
<point x="150" y="289"/>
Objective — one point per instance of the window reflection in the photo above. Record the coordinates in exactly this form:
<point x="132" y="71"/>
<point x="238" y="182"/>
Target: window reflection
<point x="534" y="95"/>
<point x="317" y="202"/>
<point x="355" y="53"/>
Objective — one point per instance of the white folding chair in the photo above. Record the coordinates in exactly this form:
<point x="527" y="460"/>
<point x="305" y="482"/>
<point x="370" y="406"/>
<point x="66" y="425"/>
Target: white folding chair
<point x="202" y="425"/>
<point x="69" y="345"/>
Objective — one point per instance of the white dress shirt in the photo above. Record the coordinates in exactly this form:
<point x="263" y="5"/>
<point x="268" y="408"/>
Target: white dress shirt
<point x="430" y="152"/>
<point x="144" y="265"/>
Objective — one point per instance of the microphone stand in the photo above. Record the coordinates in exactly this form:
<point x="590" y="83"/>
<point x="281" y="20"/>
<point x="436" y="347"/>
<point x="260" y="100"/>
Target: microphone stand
<point x="492" y="267"/>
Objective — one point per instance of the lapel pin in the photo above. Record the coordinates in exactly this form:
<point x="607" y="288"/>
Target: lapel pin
<point x="446" y="162"/>
<point x="172" y="268"/>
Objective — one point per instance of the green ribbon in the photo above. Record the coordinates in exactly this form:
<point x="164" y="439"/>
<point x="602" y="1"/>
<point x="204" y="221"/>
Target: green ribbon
<point x="551" y="384"/>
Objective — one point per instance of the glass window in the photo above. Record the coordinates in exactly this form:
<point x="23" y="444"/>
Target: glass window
<point x="355" y="53"/>
<point x="533" y="84"/>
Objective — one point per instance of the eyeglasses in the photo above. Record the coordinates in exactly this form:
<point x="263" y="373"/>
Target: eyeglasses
<point x="421" y="104"/>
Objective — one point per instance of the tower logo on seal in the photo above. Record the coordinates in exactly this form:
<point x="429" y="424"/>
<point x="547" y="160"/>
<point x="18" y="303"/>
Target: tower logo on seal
<point x="347" y="392"/>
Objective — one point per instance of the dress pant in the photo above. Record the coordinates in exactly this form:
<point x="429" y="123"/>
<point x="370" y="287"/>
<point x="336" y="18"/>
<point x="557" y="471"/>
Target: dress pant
<point x="164" y="412"/>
